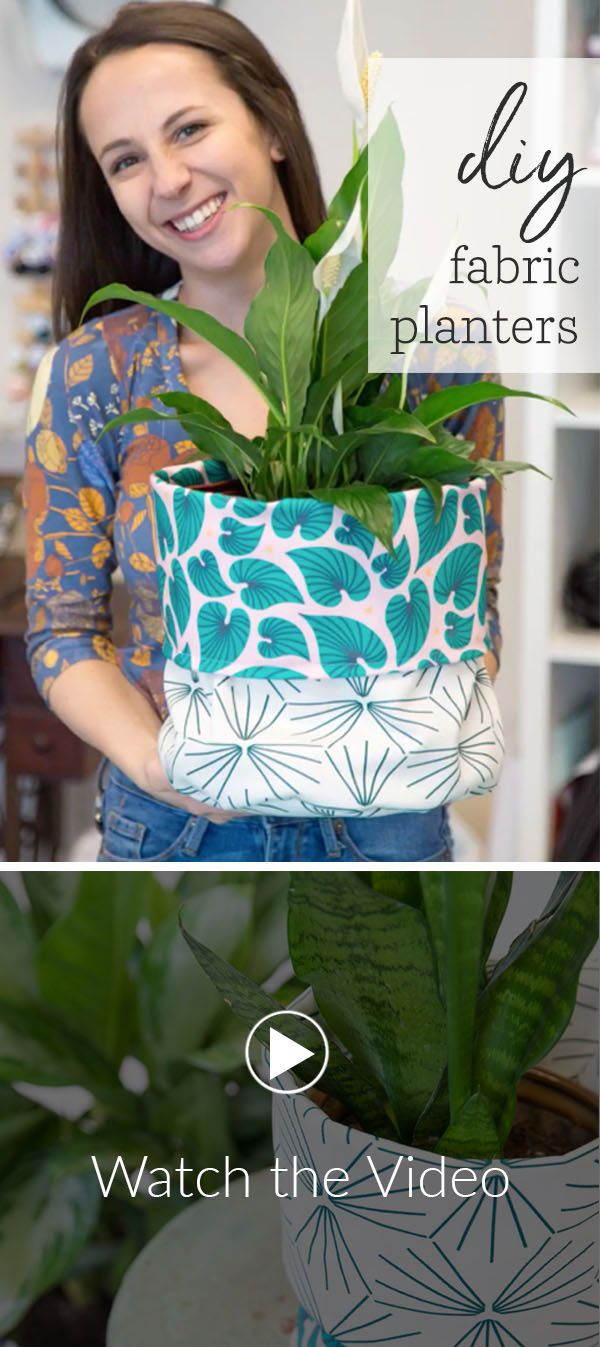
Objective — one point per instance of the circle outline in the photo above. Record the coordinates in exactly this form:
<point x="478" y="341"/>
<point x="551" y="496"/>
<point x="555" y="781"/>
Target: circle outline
<point x="273" y="1015"/>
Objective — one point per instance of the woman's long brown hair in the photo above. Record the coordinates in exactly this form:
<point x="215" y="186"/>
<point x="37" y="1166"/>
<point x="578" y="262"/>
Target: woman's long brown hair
<point x="96" y="245"/>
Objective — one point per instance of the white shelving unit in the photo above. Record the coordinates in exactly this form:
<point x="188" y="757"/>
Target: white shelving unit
<point x="559" y="675"/>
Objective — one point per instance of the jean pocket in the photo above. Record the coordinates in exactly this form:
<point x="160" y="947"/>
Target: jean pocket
<point x="138" y="828"/>
<point x="398" y="837"/>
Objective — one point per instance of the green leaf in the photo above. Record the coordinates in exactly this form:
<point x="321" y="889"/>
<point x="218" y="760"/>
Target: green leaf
<point x="250" y="1003"/>
<point x="371" y="505"/>
<point x="203" y="324"/>
<point x="44" y="1225"/>
<point x="339" y="210"/>
<point x="498" y="898"/>
<point x="83" y="959"/>
<point x="370" y="965"/>
<point x="18" y="981"/>
<point x="345" y="321"/>
<point x="474" y="1135"/>
<point x="455" y="905"/>
<point x="21" y="1124"/>
<point x="439" y="406"/>
<point x="385" y="201"/>
<point x="351" y="372"/>
<point x="176" y="1006"/>
<point x="403" y="886"/>
<point x="281" y="318"/>
<point x="37" y="1048"/>
<point x="50" y="895"/>
<point x="530" y="997"/>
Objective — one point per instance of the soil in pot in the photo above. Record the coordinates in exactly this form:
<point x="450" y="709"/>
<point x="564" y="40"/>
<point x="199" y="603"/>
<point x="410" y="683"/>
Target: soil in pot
<point x="55" y="1322"/>
<point x="553" y="1116"/>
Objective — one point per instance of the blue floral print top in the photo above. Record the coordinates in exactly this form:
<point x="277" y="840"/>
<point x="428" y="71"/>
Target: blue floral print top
<point x="87" y="501"/>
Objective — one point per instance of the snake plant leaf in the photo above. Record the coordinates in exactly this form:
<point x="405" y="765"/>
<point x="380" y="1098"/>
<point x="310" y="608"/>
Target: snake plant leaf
<point x="280" y="320"/>
<point x="498" y="896"/>
<point x="369" y="961"/>
<point x="455" y="906"/>
<point x="439" y="406"/>
<point x="231" y="344"/>
<point x="248" y="1001"/>
<point x="530" y="996"/>
<point x="474" y="1135"/>
<point x="404" y="887"/>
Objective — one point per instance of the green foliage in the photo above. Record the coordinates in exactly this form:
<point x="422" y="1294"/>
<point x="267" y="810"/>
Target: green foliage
<point x="433" y="1040"/>
<point x="94" y="973"/>
<point x="333" y="426"/>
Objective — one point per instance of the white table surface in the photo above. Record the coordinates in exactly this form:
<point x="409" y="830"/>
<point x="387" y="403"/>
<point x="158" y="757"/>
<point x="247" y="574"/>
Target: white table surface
<point x="212" y="1278"/>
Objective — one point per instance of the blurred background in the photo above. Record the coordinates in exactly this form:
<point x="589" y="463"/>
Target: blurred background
<point x="546" y="806"/>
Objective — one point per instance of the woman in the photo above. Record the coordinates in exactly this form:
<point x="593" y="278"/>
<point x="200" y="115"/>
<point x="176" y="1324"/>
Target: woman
<point x="167" y="115"/>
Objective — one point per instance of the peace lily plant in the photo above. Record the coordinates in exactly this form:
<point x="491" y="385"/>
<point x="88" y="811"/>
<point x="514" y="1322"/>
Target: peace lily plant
<point x="336" y="431"/>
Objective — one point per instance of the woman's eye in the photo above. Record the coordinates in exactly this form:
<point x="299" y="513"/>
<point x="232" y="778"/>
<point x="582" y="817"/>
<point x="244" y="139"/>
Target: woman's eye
<point x="187" y="131"/>
<point x="123" y="163"/>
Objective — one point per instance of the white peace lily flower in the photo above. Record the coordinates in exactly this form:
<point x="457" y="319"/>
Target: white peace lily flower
<point x="356" y="74"/>
<point x="337" y="408"/>
<point x="344" y="255"/>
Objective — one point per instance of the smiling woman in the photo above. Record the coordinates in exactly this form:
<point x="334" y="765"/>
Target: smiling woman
<point x="170" y="118"/>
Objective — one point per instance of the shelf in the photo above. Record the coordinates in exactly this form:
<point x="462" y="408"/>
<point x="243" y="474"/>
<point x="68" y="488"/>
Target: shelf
<point x="575" y="647"/>
<point x="586" y="405"/>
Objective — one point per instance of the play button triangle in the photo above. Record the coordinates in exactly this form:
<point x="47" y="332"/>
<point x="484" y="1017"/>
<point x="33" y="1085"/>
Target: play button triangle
<point x="284" y="1054"/>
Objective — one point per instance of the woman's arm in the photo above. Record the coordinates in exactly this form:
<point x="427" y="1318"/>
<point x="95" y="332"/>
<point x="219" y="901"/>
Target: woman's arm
<point x="101" y="706"/>
<point x="70" y="495"/>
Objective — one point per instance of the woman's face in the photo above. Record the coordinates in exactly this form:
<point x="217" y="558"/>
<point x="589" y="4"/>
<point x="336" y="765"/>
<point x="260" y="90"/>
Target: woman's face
<point x="176" y="145"/>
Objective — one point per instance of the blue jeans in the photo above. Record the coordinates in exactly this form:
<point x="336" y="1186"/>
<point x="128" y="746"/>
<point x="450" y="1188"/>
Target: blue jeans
<point x="136" y="827"/>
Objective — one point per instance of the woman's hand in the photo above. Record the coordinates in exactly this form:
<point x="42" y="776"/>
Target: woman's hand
<point x="156" y="783"/>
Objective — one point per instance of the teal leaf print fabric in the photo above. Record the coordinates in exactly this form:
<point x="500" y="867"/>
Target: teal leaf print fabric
<point x="329" y="574"/>
<point x="89" y="512"/>
<point x="264" y="584"/>
<point x="222" y="635"/>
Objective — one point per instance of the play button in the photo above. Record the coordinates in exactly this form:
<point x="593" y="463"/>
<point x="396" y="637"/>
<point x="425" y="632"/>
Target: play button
<point x="281" y="1052"/>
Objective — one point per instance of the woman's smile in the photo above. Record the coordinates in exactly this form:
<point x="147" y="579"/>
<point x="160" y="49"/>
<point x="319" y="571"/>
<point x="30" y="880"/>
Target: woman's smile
<point x="195" y="223"/>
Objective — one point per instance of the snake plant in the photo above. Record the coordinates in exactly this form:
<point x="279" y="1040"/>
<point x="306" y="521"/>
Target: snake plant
<point x="428" y="1041"/>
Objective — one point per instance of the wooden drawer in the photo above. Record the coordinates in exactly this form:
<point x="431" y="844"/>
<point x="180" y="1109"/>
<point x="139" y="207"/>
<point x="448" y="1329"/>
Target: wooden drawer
<point x="37" y="744"/>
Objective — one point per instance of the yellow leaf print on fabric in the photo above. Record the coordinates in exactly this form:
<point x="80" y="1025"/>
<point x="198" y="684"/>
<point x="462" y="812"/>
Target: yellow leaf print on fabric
<point x="63" y="550"/>
<point x="105" y="649"/>
<point x="39" y="390"/>
<point x="141" y="657"/>
<point x="141" y="562"/>
<point x="51" y="451"/>
<point x="153" y="627"/>
<point x="80" y="370"/>
<point x="91" y="503"/>
<point x="137" y="520"/>
<point x="139" y="489"/>
<point x="46" y="414"/>
<point x="100" y="553"/>
<point x="38" y="551"/>
<point x="51" y="658"/>
<point x="77" y="521"/>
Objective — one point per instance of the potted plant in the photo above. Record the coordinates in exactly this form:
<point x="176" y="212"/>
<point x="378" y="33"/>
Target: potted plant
<point x="432" y="1055"/>
<point x="110" y="1046"/>
<point x="324" y="584"/>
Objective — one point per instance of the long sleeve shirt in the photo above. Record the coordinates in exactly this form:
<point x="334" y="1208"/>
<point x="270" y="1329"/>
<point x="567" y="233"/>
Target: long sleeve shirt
<point x="87" y="500"/>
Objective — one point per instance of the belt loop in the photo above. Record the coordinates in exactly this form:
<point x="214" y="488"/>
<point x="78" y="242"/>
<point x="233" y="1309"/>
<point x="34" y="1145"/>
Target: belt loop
<point x="193" y="833"/>
<point x="331" y="839"/>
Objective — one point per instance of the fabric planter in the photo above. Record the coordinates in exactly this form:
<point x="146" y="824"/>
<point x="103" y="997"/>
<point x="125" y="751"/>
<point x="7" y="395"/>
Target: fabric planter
<point x="309" y="671"/>
<point x="444" y="1271"/>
